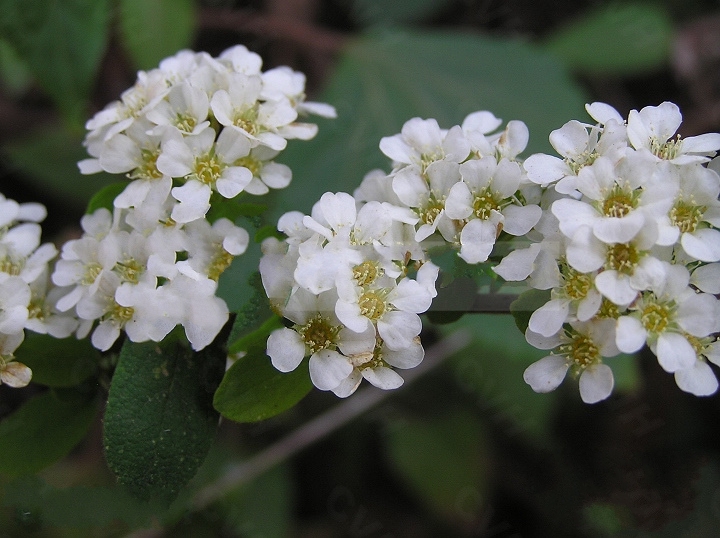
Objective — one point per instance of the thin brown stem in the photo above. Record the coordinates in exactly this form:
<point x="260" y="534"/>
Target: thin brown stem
<point x="321" y="426"/>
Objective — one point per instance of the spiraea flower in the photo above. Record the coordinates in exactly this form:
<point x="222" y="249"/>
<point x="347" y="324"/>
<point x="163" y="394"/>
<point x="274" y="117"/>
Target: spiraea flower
<point x="198" y="125"/>
<point x="354" y="311"/>
<point x="634" y="242"/>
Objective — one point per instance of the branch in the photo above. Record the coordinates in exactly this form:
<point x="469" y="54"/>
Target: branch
<point x="280" y="28"/>
<point x="321" y="426"/>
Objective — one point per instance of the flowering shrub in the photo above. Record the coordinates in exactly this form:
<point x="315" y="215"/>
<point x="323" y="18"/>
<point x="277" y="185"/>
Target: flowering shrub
<point x="616" y="238"/>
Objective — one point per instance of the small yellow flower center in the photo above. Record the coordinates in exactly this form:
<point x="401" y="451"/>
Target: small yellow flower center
<point x="92" y="271"/>
<point x="619" y="202"/>
<point x="666" y="150"/>
<point x="581" y="351"/>
<point x="432" y="210"/>
<point x="318" y="333"/>
<point x="608" y="310"/>
<point x="586" y="158"/>
<point x="120" y="314"/>
<point x="655" y="317"/>
<point x="367" y="272"/>
<point x="622" y="257"/>
<point x="219" y="263"/>
<point x="484" y="204"/>
<point x="185" y="123"/>
<point x="129" y="270"/>
<point x="247" y="119"/>
<point x="251" y="163"/>
<point x="207" y="169"/>
<point x="372" y="304"/>
<point x="686" y="216"/>
<point x="148" y="169"/>
<point x="10" y="266"/>
<point x="577" y="285"/>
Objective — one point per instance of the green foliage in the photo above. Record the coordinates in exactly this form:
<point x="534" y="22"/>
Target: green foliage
<point x="13" y="73"/>
<point x="49" y="159"/>
<point x="524" y="306"/>
<point x="58" y="362"/>
<point x="384" y="79"/>
<point x="253" y="390"/>
<point x="61" y="42"/>
<point x="619" y="39"/>
<point x="105" y="197"/>
<point x="491" y="368"/>
<point x="444" y="460"/>
<point x="43" y="430"/>
<point x="159" y="421"/>
<point x="155" y="29"/>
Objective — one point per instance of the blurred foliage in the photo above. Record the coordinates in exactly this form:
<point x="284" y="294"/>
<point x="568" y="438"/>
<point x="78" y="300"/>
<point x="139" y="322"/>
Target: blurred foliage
<point x="524" y="461"/>
<point x="641" y="40"/>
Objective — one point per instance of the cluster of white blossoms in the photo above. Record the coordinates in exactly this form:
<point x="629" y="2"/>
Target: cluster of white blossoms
<point x="199" y="125"/>
<point x="343" y="277"/>
<point x="195" y="131"/>
<point x="144" y="274"/>
<point x="27" y="300"/>
<point x="629" y="248"/>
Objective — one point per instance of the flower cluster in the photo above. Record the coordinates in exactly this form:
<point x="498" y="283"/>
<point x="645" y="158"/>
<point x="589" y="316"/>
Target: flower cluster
<point x="341" y="278"/>
<point x="206" y="125"/>
<point x="629" y="249"/>
<point x="193" y="132"/>
<point x="26" y="299"/>
<point x="128" y="273"/>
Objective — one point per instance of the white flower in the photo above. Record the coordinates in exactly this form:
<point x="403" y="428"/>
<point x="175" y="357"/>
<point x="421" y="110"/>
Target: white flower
<point x="206" y="165"/>
<point x="653" y="128"/>
<point x="581" y="350"/>
<point x="578" y="147"/>
<point x="12" y="373"/>
<point x="485" y="197"/>
<point x="240" y="108"/>
<point x="422" y="142"/>
<point x="668" y="317"/>
<point x="695" y="212"/>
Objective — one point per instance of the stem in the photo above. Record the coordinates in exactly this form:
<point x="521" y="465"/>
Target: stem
<point x="321" y="426"/>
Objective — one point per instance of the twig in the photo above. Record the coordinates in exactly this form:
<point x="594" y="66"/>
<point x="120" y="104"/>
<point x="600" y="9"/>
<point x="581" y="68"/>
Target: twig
<point x="281" y="28"/>
<point x="321" y="426"/>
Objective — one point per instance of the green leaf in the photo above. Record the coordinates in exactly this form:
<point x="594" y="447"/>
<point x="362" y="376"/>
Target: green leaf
<point x="43" y="431"/>
<point x="14" y="75"/>
<point x="383" y="80"/>
<point x="389" y="12"/>
<point x="58" y="362"/>
<point x="61" y="42"/>
<point x="155" y="29"/>
<point x="253" y="390"/>
<point x="619" y="38"/>
<point x="453" y="300"/>
<point x="159" y="421"/>
<point x="492" y="367"/>
<point x="105" y="197"/>
<point x="443" y="459"/>
<point x="48" y="158"/>
<point x="254" y="321"/>
<point x="524" y="306"/>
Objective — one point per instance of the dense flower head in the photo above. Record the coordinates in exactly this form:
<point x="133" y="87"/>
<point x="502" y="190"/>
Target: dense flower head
<point x="123" y="275"/>
<point x="27" y="300"/>
<point x="198" y="125"/>
<point x="347" y="293"/>
<point x="630" y="241"/>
